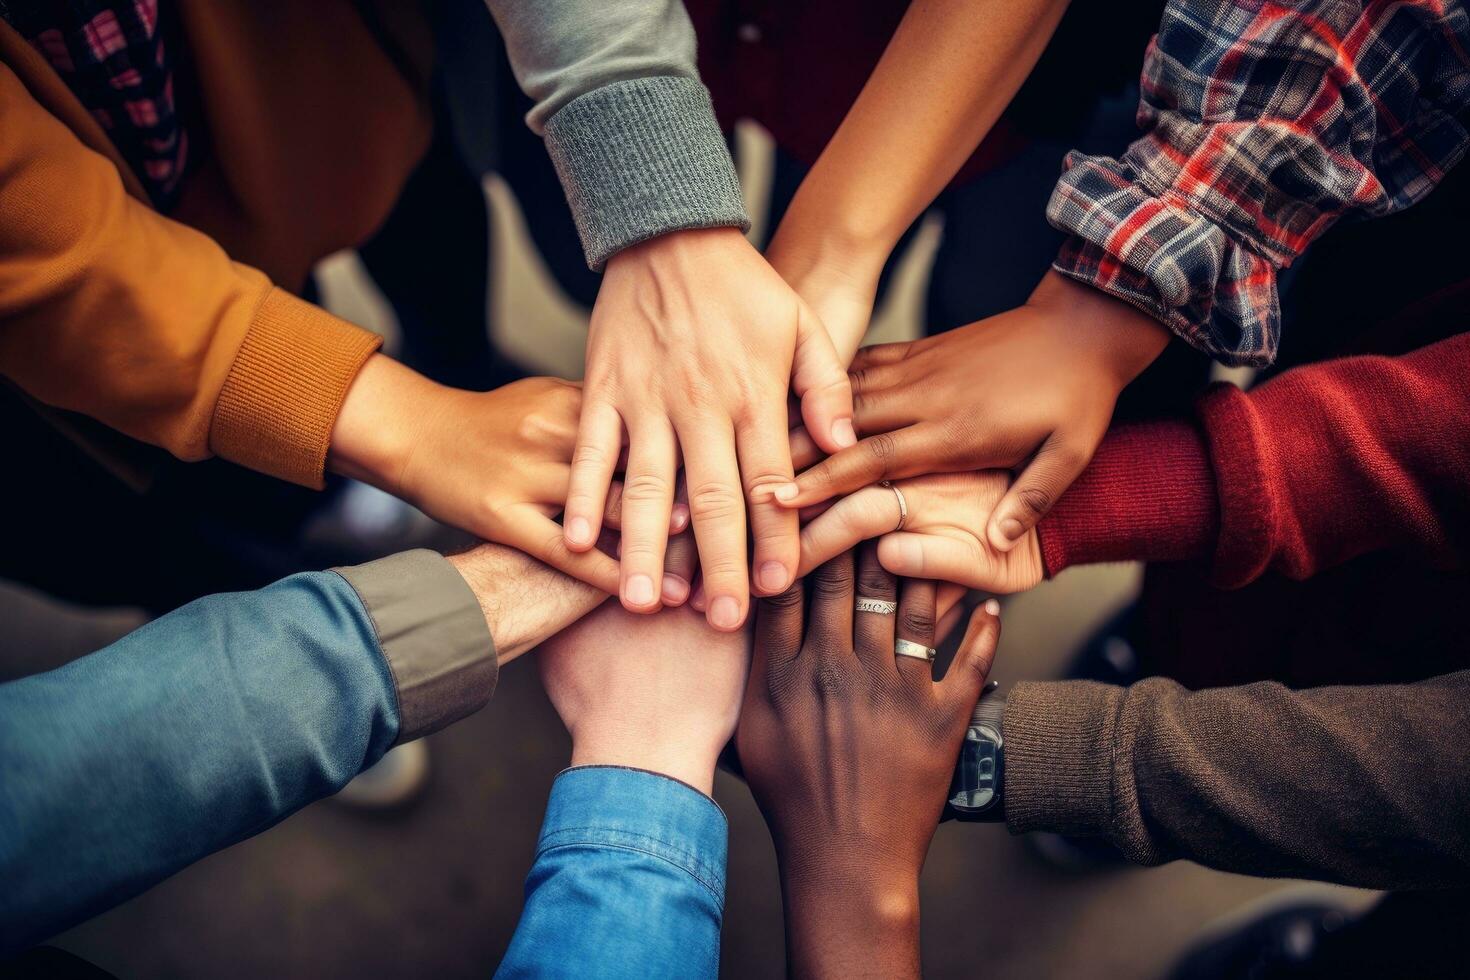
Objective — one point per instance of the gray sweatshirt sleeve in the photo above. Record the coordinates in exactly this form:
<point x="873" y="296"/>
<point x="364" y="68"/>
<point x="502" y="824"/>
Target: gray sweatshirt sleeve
<point x="627" y="122"/>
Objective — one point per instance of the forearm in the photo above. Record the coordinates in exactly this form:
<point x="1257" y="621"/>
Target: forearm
<point x="1282" y="477"/>
<point x="848" y="922"/>
<point x="946" y="76"/>
<point x="627" y="122"/>
<point x="1359" y="785"/>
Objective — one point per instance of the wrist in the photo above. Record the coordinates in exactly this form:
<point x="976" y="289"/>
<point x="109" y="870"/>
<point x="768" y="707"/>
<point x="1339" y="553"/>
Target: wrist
<point x="1124" y="337"/>
<point x="855" y="921"/>
<point x="381" y="423"/>
<point x="524" y="602"/>
<point x="695" y="767"/>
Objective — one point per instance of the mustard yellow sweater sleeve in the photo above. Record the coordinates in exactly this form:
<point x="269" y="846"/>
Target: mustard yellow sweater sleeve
<point x="109" y="309"/>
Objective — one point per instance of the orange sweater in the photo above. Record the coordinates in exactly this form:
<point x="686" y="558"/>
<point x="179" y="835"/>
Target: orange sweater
<point x="170" y="329"/>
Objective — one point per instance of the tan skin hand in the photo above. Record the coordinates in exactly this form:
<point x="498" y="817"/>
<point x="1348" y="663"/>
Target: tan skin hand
<point x="849" y="751"/>
<point x="694" y="344"/>
<point x="943" y="537"/>
<point x="494" y="463"/>
<point x="1031" y="389"/>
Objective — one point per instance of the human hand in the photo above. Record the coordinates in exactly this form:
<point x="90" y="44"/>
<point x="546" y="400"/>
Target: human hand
<point x="849" y="751"/>
<point x="693" y="346"/>
<point x="494" y="463"/>
<point x="943" y="536"/>
<point x="660" y="693"/>
<point x="836" y="277"/>
<point x="1032" y="388"/>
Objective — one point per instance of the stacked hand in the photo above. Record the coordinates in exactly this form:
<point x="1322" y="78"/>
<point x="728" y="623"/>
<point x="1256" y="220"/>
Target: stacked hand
<point x="1031" y="389"/>
<point x="694" y="344"/>
<point x="849" y="751"/>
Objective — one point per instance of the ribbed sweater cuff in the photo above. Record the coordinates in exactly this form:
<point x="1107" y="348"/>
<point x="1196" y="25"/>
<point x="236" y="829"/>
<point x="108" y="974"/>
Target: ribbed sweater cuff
<point x="1148" y="495"/>
<point x="280" y="401"/>
<point x="640" y="158"/>
<point x="1059" y="744"/>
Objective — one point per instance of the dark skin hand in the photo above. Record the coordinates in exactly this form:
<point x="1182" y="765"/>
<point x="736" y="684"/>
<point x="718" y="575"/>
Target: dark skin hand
<point x="1030" y="390"/>
<point x="849" y="752"/>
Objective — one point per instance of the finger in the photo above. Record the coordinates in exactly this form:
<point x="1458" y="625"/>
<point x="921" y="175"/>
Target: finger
<point x="612" y="512"/>
<point x="829" y="630"/>
<point x="948" y="620"/>
<point x="1051" y="471"/>
<point x="698" y="601"/>
<point x="777" y="630"/>
<point x="916" y="619"/>
<point x="648" y="497"/>
<point x="541" y="537"/>
<point x="804" y="451"/>
<point x="886" y="455"/>
<point x="872" y="632"/>
<point x="949" y="598"/>
<point x="765" y="462"/>
<point x="717" y="512"/>
<point x="599" y="441"/>
<point x="966" y="676"/>
<point x="883" y="410"/>
<point x="911" y="554"/>
<point x="680" y="560"/>
<point x="883" y="354"/>
<point x="820" y="381"/>
<point x="866" y="514"/>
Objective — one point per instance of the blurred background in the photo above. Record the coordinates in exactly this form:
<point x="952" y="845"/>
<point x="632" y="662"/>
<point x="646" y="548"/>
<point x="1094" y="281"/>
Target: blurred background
<point x="476" y="279"/>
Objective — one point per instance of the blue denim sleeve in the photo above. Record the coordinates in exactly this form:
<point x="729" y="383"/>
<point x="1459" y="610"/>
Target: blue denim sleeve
<point x="629" y="881"/>
<point x="202" y="728"/>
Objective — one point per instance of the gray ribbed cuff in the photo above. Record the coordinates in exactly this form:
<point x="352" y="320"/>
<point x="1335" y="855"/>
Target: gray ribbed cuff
<point x="640" y="158"/>
<point x="432" y="633"/>
<point x="1059" y="757"/>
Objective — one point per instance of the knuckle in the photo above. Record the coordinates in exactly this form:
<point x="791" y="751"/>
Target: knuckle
<point x="760" y="481"/>
<point x="831" y="584"/>
<point x="786" y="600"/>
<point x="713" y="501"/>
<point x="589" y="455"/>
<point x="641" y="488"/>
<point x="831" y="681"/>
<point x="1035" y="499"/>
<point x="875" y="582"/>
<point x="883" y="449"/>
<point x="917" y="622"/>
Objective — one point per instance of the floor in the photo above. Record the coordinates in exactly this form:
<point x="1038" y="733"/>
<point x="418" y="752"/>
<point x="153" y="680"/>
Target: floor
<point x="434" y="889"/>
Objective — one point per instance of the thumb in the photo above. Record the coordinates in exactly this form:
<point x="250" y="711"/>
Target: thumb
<point x="967" y="674"/>
<point x="1048" y="475"/>
<point x="819" y="380"/>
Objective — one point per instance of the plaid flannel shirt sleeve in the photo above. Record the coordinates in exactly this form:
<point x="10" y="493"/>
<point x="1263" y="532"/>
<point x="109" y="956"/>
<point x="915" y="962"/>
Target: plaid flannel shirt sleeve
<point x="1264" y="123"/>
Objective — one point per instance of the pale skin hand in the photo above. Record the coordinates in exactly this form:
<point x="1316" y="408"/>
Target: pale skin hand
<point x="943" y="537"/>
<point x="494" y="463"/>
<point x="1031" y="389"/>
<point x="660" y="693"/>
<point x="949" y="72"/>
<point x="524" y="601"/>
<point x="694" y="343"/>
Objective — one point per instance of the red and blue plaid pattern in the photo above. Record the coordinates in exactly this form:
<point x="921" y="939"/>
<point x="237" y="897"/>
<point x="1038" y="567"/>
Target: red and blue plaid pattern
<point x="111" y="55"/>
<point x="1264" y="124"/>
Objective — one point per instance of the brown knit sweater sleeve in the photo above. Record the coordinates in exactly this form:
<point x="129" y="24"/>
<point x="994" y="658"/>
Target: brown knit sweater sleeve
<point x="1366" y="786"/>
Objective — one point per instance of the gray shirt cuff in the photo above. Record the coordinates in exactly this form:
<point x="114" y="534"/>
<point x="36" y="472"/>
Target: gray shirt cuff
<point x="432" y="633"/>
<point x="640" y="158"/>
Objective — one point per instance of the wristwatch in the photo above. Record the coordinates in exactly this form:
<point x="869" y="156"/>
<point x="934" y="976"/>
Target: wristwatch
<point x="977" y="793"/>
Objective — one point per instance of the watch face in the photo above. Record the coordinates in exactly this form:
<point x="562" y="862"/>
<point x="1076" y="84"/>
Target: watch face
<point x="976" y="778"/>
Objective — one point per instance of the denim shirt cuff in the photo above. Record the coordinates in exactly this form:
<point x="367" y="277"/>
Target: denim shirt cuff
<point x="616" y="806"/>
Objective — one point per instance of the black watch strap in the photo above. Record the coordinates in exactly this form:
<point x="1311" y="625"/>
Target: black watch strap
<point x="977" y="793"/>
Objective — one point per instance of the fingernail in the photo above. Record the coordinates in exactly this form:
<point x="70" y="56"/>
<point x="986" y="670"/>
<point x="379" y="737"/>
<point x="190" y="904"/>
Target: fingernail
<point x="676" y="590"/>
<point x="639" y="590"/>
<point x="992" y="607"/>
<point x="843" y="434"/>
<point x="786" y="492"/>
<point x="696" y="599"/>
<point x="1011" y="529"/>
<point x="579" y="531"/>
<point x="772" y="576"/>
<point x="724" y="613"/>
<point x="679" y="517"/>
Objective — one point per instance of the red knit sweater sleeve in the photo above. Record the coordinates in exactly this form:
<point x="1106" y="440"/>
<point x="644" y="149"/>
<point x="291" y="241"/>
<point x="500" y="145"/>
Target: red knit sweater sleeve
<point x="1311" y="469"/>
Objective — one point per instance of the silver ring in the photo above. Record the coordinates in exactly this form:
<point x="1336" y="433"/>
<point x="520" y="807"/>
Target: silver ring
<point x="880" y="606"/>
<point x="908" y="648"/>
<point x="903" y="505"/>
